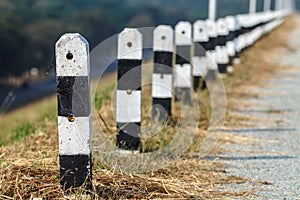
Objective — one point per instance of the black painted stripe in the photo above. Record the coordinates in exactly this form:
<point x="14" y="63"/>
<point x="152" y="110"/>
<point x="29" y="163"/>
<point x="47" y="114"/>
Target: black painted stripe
<point x="199" y="49"/>
<point x="238" y="32"/>
<point x="231" y="36"/>
<point x="183" y="54"/>
<point x="221" y="40"/>
<point x="212" y="44"/>
<point x="129" y="74"/>
<point x="183" y="95"/>
<point x="162" y="108"/>
<point x="163" y="57"/>
<point x="75" y="171"/>
<point x="211" y="75"/>
<point x="128" y="137"/>
<point x="197" y="82"/>
<point x="163" y="62"/>
<point x="222" y="68"/>
<point x="73" y="96"/>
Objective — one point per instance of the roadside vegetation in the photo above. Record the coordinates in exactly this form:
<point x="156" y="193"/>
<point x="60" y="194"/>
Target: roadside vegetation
<point x="29" y="165"/>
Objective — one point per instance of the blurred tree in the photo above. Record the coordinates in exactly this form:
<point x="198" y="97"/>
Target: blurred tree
<point x="94" y="25"/>
<point x="11" y="39"/>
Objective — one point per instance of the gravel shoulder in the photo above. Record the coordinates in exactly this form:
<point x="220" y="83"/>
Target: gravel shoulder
<point x="270" y="159"/>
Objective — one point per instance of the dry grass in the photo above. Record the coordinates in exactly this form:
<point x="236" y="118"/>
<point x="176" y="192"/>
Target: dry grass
<point x="30" y="168"/>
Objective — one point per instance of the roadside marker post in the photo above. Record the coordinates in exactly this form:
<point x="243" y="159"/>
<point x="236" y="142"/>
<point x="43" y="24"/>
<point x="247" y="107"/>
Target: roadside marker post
<point x="199" y="59"/>
<point x="129" y="91"/>
<point x="162" y="78"/>
<point x="74" y="111"/>
<point x="230" y="41"/>
<point x="183" y="69"/>
<point x="222" y="56"/>
<point x="211" y="50"/>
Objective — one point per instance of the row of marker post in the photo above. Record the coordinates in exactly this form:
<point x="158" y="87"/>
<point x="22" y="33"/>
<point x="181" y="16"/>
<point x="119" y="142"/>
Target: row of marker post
<point x="221" y="41"/>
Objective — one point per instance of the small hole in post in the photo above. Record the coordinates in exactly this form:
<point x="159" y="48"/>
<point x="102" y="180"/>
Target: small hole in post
<point x="200" y="30"/>
<point x="183" y="32"/>
<point x="69" y="56"/>
<point x="163" y="37"/>
<point x="129" y="44"/>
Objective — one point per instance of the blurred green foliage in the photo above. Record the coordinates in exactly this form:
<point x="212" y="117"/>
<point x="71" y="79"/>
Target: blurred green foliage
<point x="30" y="28"/>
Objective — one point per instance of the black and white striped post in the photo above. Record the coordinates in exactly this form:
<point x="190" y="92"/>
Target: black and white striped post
<point x="162" y="78"/>
<point x="230" y="44"/>
<point x="129" y="91"/>
<point x="211" y="50"/>
<point x="222" y="56"/>
<point x="199" y="59"/>
<point x="183" y="69"/>
<point x="267" y="5"/>
<point x="252" y="6"/>
<point x="74" y="111"/>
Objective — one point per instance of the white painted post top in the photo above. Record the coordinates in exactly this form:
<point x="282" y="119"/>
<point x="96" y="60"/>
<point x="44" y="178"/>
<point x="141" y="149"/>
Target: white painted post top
<point x="72" y="57"/>
<point x="163" y="38"/>
<point x="230" y="21"/>
<point x="200" y="32"/>
<point x="183" y="33"/>
<point x="222" y="27"/>
<point x="130" y="43"/>
<point x="211" y="28"/>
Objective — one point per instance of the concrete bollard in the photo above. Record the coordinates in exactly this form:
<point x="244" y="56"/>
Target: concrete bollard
<point x="74" y="111"/>
<point x="221" y="49"/>
<point x="162" y="78"/>
<point x="129" y="91"/>
<point x="183" y="69"/>
<point x="199" y="59"/>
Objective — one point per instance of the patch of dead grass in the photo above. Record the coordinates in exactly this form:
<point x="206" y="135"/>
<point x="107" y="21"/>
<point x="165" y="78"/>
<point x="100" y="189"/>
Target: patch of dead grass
<point x="30" y="169"/>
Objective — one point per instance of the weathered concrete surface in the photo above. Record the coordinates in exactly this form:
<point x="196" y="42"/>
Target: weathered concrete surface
<point x="272" y="157"/>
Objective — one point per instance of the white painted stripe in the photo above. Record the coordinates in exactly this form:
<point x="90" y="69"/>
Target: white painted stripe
<point x="230" y="48"/>
<point x="222" y="56"/>
<point x="199" y="66"/>
<point x="162" y="85"/>
<point x="211" y="28"/>
<point x="72" y="55"/>
<point x="182" y="78"/>
<point x="211" y="60"/>
<point x="75" y="137"/>
<point x="128" y="108"/>
<point x="130" y="44"/>
<point x="230" y="22"/>
<point x="163" y="38"/>
<point x="183" y="33"/>
<point x="222" y="27"/>
<point x="200" y="33"/>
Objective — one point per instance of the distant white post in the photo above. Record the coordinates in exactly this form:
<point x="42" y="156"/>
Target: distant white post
<point x="230" y="43"/>
<point x="278" y="5"/>
<point x="74" y="111"/>
<point x="183" y="69"/>
<point x="199" y="59"/>
<point x="252" y="6"/>
<point x="211" y="49"/>
<point x="267" y="5"/>
<point x="222" y="56"/>
<point x="162" y="79"/>
<point x="129" y="91"/>
<point x="212" y="10"/>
